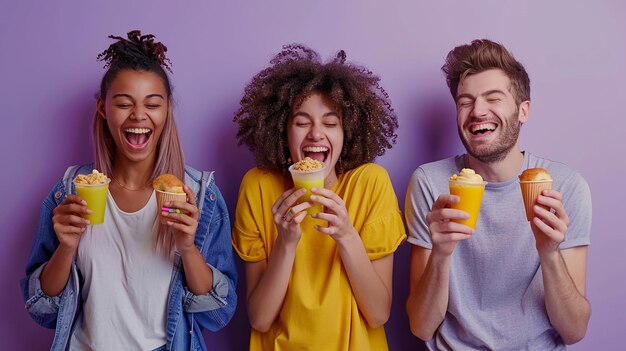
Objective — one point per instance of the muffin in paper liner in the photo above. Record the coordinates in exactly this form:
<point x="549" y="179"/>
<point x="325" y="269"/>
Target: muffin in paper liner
<point x="163" y="197"/>
<point x="530" y="191"/>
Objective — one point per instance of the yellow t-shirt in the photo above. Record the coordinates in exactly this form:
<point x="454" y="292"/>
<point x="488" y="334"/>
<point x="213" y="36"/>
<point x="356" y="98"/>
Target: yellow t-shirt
<point x="319" y="311"/>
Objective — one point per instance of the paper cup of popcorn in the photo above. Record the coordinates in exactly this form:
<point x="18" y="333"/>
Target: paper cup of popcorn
<point x="93" y="188"/>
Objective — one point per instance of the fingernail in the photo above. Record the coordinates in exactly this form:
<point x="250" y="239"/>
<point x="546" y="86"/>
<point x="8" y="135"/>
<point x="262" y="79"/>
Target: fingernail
<point x="88" y="211"/>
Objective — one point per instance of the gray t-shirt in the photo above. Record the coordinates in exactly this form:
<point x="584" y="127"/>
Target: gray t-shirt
<point x="496" y="297"/>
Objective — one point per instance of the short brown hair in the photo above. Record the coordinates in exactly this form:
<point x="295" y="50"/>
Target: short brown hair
<point x="482" y="55"/>
<point x="369" y="122"/>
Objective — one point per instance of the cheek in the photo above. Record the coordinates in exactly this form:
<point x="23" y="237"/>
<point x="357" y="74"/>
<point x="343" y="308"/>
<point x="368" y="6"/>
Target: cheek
<point x="293" y="140"/>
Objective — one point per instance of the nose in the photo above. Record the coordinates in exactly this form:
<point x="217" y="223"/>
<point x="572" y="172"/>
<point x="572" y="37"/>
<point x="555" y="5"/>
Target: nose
<point x="316" y="133"/>
<point x="138" y="113"/>
<point x="480" y="108"/>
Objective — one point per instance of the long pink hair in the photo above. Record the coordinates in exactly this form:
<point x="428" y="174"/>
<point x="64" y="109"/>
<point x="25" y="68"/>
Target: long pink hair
<point x="170" y="158"/>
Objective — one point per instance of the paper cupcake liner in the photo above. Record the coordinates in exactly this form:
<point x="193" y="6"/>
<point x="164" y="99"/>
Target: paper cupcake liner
<point x="530" y="192"/>
<point x="163" y="197"/>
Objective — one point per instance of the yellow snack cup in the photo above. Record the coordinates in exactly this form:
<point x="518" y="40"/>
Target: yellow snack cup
<point x="96" y="197"/>
<point x="308" y="180"/>
<point x="471" y="195"/>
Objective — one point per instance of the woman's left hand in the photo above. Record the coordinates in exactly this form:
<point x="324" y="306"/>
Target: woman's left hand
<point x="335" y="213"/>
<point x="184" y="225"/>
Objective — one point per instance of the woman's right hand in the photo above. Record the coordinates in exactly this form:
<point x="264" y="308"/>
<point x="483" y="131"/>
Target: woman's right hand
<point x="288" y="215"/>
<point x="68" y="222"/>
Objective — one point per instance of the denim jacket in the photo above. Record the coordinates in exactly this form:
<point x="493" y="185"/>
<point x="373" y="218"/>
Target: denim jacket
<point x="186" y="313"/>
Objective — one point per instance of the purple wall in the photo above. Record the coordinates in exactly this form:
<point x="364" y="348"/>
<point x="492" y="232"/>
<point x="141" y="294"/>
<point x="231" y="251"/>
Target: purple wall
<point x="575" y="54"/>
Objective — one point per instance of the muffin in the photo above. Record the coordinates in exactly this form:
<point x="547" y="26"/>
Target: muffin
<point x="532" y="182"/>
<point x="168" y="188"/>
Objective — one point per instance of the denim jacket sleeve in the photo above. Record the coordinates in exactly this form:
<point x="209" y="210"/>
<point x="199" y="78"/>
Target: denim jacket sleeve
<point x="43" y="308"/>
<point x="214" y="309"/>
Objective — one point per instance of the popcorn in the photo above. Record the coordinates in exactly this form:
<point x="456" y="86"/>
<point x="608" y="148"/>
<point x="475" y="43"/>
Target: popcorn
<point x="307" y="165"/>
<point x="95" y="178"/>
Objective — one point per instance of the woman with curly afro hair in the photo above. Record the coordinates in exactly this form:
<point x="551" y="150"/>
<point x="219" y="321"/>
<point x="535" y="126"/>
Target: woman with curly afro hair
<point x="319" y="281"/>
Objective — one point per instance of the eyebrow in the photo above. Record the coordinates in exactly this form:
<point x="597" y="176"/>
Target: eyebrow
<point x="130" y="97"/>
<point x="304" y="114"/>
<point x="487" y="93"/>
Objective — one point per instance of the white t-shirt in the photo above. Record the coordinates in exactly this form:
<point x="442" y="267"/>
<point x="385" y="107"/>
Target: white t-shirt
<point x="125" y="282"/>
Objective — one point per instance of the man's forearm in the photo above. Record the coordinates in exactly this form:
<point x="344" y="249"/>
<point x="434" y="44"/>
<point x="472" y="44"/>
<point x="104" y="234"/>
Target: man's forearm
<point x="567" y="307"/>
<point x="428" y="300"/>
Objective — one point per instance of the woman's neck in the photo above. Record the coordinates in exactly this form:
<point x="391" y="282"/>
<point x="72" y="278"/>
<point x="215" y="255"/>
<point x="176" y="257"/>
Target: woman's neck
<point x="132" y="175"/>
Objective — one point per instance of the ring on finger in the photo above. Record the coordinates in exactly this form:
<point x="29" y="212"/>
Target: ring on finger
<point x="288" y="215"/>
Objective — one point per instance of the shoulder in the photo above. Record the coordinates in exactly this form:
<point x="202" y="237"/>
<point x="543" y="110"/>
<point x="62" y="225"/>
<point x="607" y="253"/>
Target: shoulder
<point x="560" y="172"/>
<point x="445" y="165"/>
<point x="369" y="177"/>
<point x="441" y="169"/>
<point x="72" y="171"/>
<point x="369" y="169"/>
<point x="260" y="177"/>
<point x="193" y="175"/>
<point x="367" y="172"/>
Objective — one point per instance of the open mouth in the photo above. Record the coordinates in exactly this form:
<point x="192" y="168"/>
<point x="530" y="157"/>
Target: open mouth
<point x="483" y="128"/>
<point x="319" y="153"/>
<point x="137" y="137"/>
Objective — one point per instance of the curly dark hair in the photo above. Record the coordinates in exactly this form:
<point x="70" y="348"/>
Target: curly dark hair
<point x="482" y="55"/>
<point x="369" y="121"/>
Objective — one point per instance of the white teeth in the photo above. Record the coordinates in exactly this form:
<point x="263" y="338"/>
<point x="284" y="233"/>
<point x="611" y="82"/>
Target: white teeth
<point x="315" y="149"/>
<point x="483" y="126"/>
<point x="137" y="130"/>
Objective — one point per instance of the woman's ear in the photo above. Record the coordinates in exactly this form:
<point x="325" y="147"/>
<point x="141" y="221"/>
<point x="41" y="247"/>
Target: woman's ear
<point x="100" y="108"/>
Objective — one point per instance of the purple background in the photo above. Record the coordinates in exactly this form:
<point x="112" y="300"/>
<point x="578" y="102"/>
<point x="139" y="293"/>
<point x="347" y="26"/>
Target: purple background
<point x="575" y="54"/>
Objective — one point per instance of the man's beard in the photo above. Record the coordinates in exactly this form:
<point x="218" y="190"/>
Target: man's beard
<point x="500" y="148"/>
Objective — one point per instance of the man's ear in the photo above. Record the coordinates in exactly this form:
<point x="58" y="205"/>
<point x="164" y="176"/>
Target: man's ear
<point x="100" y="108"/>
<point x="524" y="108"/>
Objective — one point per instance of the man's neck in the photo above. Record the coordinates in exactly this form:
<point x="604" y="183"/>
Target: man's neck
<point x="499" y="171"/>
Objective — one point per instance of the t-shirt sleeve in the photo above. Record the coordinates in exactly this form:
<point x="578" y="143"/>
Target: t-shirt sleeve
<point x="383" y="231"/>
<point x="246" y="237"/>
<point x="418" y="202"/>
<point x="577" y="202"/>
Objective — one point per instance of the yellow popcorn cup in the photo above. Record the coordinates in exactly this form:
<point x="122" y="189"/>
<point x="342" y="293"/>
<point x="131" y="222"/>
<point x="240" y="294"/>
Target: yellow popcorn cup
<point x="471" y="196"/>
<point x="96" y="197"/>
<point x="308" y="180"/>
